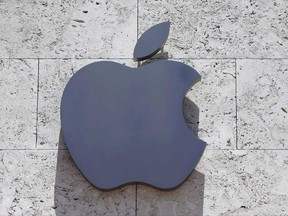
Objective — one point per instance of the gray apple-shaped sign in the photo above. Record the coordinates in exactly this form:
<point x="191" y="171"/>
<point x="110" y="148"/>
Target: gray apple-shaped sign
<point x="124" y="125"/>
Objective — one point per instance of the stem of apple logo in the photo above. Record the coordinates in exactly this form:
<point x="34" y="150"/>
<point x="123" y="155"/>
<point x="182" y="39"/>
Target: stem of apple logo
<point x="124" y="125"/>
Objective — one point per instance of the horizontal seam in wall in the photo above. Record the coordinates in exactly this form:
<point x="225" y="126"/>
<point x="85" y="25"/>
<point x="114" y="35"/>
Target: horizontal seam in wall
<point x="232" y="58"/>
<point x="205" y="150"/>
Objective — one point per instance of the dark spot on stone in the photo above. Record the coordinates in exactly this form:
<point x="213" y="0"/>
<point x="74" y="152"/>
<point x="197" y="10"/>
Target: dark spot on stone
<point x="85" y="11"/>
<point x="279" y="43"/>
<point x="243" y="207"/>
<point x="79" y="21"/>
<point x="97" y="3"/>
<point x="284" y="110"/>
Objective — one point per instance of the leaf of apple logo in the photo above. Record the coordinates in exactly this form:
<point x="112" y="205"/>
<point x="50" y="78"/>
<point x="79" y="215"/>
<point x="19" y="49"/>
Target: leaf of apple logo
<point x="151" y="41"/>
<point x="124" y="125"/>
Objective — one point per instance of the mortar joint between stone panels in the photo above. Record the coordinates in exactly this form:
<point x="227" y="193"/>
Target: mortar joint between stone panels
<point x="28" y="149"/>
<point x="136" y="200"/>
<point x="137" y="18"/>
<point x="246" y="149"/>
<point x="56" y="150"/>
<point x="175" y="58"/>
<point x="236" y="104"/>
<point x="37" y="105"/>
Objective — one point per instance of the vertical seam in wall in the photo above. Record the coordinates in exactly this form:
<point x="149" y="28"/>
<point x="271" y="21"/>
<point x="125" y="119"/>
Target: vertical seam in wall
<point x="137" y="20"/>
<point x="37" y="106"/>
<point x="136" y="193"/>
<point x="236" y="104"/>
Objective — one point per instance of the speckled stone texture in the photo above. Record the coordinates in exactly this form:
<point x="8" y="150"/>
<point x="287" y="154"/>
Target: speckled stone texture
<point x="27" y="182"/>
<point x="262" y="104"/>
<point x="233" y="29"/>
<point x="70" y="28"/>
<point x="239" y="108"/>
<point x="210" y="107"/>
<point x="18" y="106"/>
<point x="48" y="183"/>
<point x="234" y="182"/>
<point x="53" y="76"/>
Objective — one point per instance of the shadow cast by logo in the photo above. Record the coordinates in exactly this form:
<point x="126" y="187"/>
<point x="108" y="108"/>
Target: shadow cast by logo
<point x="124" y="125"/>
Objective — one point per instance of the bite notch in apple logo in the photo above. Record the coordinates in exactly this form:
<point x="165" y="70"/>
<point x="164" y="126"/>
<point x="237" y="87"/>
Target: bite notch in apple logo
<point x="125" y="125"/>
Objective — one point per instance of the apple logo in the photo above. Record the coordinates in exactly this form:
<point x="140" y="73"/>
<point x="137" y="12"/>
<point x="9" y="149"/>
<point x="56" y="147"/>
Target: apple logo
<point x="125" y="125"/>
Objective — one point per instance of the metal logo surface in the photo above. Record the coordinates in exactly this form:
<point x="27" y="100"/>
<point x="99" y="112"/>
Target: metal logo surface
<point x="125" y="125"/>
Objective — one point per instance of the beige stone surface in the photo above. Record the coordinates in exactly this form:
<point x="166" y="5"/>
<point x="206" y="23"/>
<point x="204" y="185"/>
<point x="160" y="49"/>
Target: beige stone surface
<point x="18" y="106"/>
<point x="47" y="182"/>
<point x="210" y="106"/>
<point x="262" y="89"/>
<point x="67" y="29"/>
<point x="53" y="77"/>
<point x="27" y="182"/>
<point x="234" y="182"/>
<point x="220" y="29"/>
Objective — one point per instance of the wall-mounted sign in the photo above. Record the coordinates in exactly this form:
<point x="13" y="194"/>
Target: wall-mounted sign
<point x="124" y="125"/>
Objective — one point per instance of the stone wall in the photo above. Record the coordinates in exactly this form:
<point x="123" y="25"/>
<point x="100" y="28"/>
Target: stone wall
<point x="239" y="107"/>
